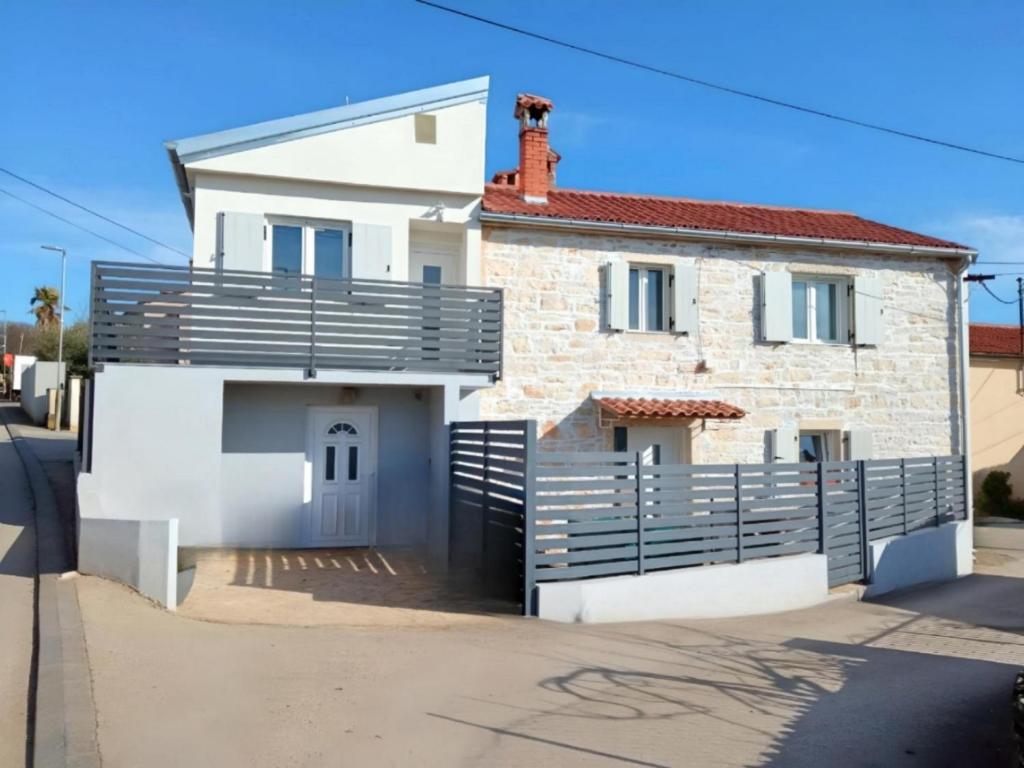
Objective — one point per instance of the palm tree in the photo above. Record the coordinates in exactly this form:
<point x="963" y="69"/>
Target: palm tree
<point x="49" y="302"/>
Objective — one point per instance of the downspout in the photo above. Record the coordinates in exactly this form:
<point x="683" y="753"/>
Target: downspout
<point x="962" y="298"/>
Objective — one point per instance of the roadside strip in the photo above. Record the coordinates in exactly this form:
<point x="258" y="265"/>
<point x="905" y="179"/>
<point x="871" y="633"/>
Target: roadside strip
<point x="64" y="718"/>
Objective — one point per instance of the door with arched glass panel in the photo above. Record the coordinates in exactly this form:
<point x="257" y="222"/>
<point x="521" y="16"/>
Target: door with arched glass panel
<point x="344" y="462"/>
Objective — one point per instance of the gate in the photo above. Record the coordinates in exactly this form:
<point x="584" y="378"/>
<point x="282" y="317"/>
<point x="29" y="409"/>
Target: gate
<point x="842" y="517"/>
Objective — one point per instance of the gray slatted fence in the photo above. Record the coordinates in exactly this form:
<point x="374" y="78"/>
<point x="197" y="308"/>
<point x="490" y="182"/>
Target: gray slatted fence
<point x="606" y="514"/>
<point x="567" y="516"/>
<point x="491" y="479"/>
<point x="155" y="314"/>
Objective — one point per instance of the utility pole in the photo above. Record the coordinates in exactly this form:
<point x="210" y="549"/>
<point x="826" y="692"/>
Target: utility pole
<point x="1020" y="311"/>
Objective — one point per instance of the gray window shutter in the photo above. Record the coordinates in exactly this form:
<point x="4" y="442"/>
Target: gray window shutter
<point x="371" y="251"/>
<point x="617" y="275"/>
<point x="859" y="444"/>
<point x="684" y="297"/>
<point x="777" y="306"/>
<point x="868" y="311"/>
<point x="785" y="445"/>
<point x="240" y="241"/>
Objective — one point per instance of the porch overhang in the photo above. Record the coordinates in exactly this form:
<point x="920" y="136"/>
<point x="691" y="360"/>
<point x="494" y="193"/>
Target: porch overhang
<point x="662" y="408"/>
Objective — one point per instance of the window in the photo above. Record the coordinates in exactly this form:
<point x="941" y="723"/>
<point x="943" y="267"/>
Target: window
<point x="310" y="248"/>
<point x="329" y="463"/>
<point x="648" y="306"/>
<point x="426" y="129"/>
<point x="353" y="462"/>
<point x="431" y="275"/>
<point x="820" y="309"/>
<point x="816" y="446"/>
<point x="287" y="250"/>
<point x="619" y="436"/>
<point x="342" y="426"/>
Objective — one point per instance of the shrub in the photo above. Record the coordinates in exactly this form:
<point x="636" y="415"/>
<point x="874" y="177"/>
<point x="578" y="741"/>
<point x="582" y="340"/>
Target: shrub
<point x="995" y="494"/>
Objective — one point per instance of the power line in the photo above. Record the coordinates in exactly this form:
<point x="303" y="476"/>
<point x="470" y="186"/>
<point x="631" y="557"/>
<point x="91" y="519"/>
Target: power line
<point x="990" y="293"/>
<point x="107" y="219"/>
<point x="720" y="87"/>
<point x="79" y="226"/>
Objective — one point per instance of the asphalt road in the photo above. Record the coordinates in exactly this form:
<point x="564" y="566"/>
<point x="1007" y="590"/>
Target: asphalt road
<point x="921" y="680"/>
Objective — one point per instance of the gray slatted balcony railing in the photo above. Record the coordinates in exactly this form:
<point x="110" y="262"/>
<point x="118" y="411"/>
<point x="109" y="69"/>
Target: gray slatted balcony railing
<point x="176" y="315"/>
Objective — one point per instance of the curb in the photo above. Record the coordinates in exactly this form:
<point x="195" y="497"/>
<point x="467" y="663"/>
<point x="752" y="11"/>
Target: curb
<point x="64" y="719"/>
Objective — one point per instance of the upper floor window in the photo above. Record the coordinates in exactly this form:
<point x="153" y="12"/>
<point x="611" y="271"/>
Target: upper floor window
<point x="820" y="311"/>
<point x="311" y="248"/>
<point x="648" y="303"/>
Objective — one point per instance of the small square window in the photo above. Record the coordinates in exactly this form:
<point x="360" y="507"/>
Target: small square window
<point x="426" y="129"/>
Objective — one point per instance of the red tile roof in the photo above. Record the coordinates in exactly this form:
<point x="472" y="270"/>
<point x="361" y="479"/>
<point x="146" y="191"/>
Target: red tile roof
<point x="655" y="408"/>
<point x="703" y="215"/>
<point x="999" y="340"/>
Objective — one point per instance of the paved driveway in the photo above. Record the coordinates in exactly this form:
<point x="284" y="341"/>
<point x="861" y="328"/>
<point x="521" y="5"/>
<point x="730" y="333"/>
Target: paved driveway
<point x="922" y="680"/>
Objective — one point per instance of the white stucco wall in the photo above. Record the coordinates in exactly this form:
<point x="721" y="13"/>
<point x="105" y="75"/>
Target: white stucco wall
<point x="35" y="380"/>
<point x="168" y="444"/>
<point x="929" y="555"/>
<point x="557" y="352"/>
<point x="379" y="154"/>
<point x="715" y="591"/>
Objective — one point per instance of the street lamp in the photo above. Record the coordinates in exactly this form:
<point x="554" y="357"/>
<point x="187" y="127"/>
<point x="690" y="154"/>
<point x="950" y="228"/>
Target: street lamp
<point x="60" y="333"/>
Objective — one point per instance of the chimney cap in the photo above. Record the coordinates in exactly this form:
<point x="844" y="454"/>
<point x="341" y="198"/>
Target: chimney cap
<point x="534" y="107"/>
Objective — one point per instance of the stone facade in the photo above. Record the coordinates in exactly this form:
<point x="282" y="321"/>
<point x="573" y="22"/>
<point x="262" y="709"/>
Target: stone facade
<point x="557" y="351"/>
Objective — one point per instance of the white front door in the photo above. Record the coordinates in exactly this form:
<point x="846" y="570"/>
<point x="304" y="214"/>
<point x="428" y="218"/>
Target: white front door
<point x="658" y="445"/>
<point x="343" y="449"/>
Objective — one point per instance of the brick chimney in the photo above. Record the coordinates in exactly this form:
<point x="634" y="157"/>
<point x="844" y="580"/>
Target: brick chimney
<point x="537" y="161"/>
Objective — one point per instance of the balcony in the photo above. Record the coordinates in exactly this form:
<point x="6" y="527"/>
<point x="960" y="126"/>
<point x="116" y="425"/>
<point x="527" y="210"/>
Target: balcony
<point x="180" y="316"/>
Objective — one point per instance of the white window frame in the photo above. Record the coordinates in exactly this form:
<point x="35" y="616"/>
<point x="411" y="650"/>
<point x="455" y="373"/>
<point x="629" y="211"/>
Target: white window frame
<point x="309" y="228"/>
<point x="842" y="285"/>
<point x="644" y="271"/>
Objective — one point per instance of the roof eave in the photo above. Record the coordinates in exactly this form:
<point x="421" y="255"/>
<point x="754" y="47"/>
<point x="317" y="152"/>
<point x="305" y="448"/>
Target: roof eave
<point x="749" y="238"/>
<point x="204" y="146"/>
<point x="181" y="180"/>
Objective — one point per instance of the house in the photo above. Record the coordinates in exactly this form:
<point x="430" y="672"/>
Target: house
<point x="997" y="402"/>
<point x="356" y="288"/>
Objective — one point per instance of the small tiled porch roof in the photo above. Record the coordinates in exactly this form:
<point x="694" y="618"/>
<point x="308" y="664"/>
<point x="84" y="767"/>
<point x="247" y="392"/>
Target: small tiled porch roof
<point x="668" y="408"/>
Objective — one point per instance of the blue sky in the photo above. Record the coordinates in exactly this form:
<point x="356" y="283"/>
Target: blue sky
<point x="90" y="90"/>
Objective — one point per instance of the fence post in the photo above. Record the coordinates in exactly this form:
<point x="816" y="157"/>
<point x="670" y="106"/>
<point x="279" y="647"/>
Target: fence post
<point x="935" y="467"/>
<point x="822" y="536"/>
<point x="903" y="492"/>
<point x="862" y="503"/>
<point x="963" y="477"/>
<point x="529" y="516"/>
<point x="485" y="502"/>
<point x="739" y="514"/>
<point x="312" y="326"/>
<point x="639" y="462"/>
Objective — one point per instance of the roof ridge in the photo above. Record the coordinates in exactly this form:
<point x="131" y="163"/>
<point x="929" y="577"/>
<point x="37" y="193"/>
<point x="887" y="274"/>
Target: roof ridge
<point x="694" y="200"/>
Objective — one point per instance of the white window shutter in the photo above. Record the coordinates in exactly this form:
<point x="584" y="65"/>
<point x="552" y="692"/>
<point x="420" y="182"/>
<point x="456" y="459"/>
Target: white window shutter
<point x="684" y="297"/>
<point x="785" y="445"/>
<point x="859" y="444"/>
<point x="617" y="279"/>
<point x="240" y="241"/>
<point x="777" y="306"/>
<point x="371" y="252"/>
<point x="868" y="311"/>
